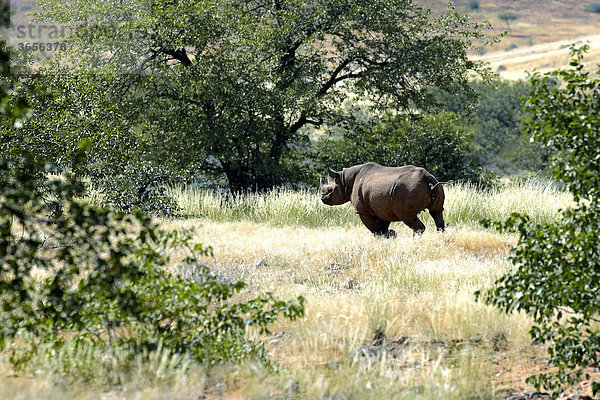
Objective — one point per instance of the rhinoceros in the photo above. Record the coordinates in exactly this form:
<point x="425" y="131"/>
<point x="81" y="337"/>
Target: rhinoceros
<point x="381" y="195"/>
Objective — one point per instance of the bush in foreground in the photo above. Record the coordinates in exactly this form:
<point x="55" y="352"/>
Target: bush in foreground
<point x="557" y="279"/>
<point x="94" y="277"/>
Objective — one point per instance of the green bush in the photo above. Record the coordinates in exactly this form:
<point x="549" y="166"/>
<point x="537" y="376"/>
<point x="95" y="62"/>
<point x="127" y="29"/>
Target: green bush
<point x="73" y="276"/>
<point x="557" y="275"/>
<point x="593" y="7"/>
<point x="13" y="109"/>
<point x="497" y="121"/>
<point x="121" y="162"/>
<point x="94" y="276"/>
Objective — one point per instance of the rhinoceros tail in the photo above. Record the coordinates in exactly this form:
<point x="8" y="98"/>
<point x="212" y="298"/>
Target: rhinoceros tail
<point x="432" y="186"/>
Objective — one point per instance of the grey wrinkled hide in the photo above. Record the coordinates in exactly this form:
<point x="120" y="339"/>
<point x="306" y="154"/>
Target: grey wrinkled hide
<point x="381" y="195"/>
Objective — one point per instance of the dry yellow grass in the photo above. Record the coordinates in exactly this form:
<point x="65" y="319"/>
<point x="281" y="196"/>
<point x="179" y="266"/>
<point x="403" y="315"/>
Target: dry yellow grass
<point x="420" y="288"/>
<point x="538" y="21"/>
<point x="537" y="39"/>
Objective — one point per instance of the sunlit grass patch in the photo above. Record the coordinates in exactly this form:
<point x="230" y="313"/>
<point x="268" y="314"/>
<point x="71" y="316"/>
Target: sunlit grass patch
<point x="465" y="205"/>
<point x="356" y="285"/>
<point x="277" y="207"/>
<point x="82" y="369"/>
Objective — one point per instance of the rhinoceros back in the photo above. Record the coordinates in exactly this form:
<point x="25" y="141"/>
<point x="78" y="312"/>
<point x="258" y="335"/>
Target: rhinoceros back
<point x="391" y="193"/>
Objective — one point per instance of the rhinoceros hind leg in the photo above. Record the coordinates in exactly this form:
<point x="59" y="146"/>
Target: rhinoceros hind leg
<point x="415" y="224"/>
<point x="439" y="220"/>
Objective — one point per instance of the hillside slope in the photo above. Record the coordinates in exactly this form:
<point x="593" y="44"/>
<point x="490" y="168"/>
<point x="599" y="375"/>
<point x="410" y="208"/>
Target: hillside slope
<point x="539" y="36"/>
<point x="516" y="64"/>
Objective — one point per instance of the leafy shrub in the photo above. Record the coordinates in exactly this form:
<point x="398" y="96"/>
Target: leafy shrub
<point x="592" y="7"/>
<point x="128" y="166"/>
<point x="557" y="279"/>
<point x="85" y="277"/>
<point x="438" y="143"/>
<point x="137" y="185"/>
<point x="14" y="108"/>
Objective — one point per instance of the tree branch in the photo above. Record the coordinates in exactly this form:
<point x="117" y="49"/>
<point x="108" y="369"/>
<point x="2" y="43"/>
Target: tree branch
<point x="289" y="58"/>
<point x="180" y="55"/>
<point x="335" y="77"/>
<point x="24" y="216"/>
<point x="565" y="309"/>
<point x="303" y="120"/>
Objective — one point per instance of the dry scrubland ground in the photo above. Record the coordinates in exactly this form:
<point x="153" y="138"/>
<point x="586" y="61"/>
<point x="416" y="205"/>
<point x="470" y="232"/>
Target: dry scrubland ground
<point x="415" y="293"/>
<point x="518" y="63"/>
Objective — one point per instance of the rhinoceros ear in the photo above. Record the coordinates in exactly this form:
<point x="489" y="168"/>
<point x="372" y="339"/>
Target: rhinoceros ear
<point x="332" y="175"/>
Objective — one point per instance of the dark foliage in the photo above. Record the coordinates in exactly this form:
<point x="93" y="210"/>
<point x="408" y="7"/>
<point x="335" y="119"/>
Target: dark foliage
<point x="438" y="142"/>
<point x="497" y="119"/>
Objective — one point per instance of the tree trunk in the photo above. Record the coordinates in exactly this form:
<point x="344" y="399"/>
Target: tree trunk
<point x="261" y="176"/>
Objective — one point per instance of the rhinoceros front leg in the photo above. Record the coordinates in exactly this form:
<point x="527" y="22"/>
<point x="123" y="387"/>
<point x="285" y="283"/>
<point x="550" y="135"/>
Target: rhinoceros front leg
<point x="376" y="225"/>
<point x="415" y="224"/>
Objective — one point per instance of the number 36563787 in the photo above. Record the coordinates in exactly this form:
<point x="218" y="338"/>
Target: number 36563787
<point x="35" y="46"/>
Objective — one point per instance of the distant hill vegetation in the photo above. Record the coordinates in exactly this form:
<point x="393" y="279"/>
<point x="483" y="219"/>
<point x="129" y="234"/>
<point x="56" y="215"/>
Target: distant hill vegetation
<point x="531" y="22"/>
<point x="539" y="31"/>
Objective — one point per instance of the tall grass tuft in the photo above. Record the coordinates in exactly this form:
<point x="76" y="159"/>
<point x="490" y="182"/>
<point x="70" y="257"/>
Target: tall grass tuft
<point x="465" y="204"/>
<point x="277" y="207"/>
<point x="95" y="365"/>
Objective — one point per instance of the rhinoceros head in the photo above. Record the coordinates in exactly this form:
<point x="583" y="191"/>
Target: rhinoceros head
<point x="332" y="192"/>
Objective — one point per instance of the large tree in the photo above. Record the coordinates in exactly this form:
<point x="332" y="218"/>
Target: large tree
<point x="101" y="293"/>
<point x="229" y="85"/>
